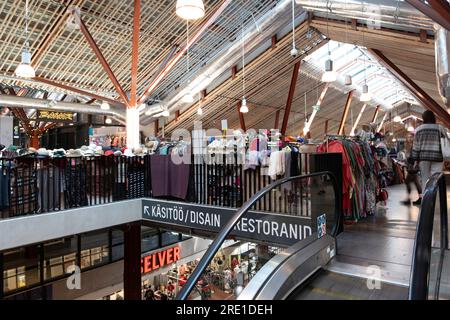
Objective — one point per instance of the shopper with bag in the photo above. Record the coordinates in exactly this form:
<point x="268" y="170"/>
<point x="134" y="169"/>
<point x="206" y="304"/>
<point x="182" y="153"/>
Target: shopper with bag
<point x="430" y="147"/>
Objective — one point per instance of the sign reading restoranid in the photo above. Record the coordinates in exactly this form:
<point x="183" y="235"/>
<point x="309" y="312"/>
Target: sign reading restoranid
<point x="274" y="228"/>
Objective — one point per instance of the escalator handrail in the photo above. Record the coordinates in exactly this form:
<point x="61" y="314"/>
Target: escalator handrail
<point x="225" y="231"/>
<point x="420" y="273"/>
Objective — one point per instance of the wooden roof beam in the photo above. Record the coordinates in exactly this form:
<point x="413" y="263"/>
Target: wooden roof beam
<point x="135" y="53"/>
<point x="345" y="113"/>
<point x="290" y="98"/>
<point x="76" y="90"/>
<point x="161" y="75"/>
<point x="427" y="101"/>
<point x="99" y="56"/>
<point x="438" y="11"/>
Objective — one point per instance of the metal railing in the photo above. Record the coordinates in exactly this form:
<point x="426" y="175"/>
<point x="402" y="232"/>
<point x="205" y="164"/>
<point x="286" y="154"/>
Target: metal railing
<point x="248" y="205"/>
<point x="32" y="185"/>
<point x="420" y="274"/>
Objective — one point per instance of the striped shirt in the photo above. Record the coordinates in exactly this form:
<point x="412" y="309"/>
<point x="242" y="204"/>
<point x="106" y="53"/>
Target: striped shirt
<point x="427" y="143"/>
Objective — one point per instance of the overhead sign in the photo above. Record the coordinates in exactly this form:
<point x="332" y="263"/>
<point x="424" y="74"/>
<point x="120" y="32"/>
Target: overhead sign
<point x="273" y="228"/>
<point x="54" y="116"/>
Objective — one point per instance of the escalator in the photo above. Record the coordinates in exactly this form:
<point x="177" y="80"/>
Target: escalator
<point x="312" y="268"/>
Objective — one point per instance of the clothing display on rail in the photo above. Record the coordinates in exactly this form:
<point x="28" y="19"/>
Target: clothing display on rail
<point x="23" y="190"/>
<point x="75" y="194"/>
<point x="167" y="178"/>
<point x="360" y="170"/>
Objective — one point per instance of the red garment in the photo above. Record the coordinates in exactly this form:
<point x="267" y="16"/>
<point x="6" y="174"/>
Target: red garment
<point x="347" y="177"/>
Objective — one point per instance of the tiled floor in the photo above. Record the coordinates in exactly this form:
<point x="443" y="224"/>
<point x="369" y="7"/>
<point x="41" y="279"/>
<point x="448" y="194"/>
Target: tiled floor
<point x="379" y="247"/>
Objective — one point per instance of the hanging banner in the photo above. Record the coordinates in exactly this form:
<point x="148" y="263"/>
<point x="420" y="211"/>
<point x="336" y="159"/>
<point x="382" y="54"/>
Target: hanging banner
<point x="54" y="116"/>
<point x="277" y="229"/>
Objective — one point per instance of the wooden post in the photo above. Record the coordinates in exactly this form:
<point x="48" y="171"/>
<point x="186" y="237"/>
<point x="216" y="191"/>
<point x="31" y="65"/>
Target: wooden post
<point x="345" y="113"/>
<point x="375" y="115"/>
<point x="287" y="110"/>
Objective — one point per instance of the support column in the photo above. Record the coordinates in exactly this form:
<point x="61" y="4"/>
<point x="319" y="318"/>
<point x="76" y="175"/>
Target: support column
<point x="132" y="124"/>
<point x="345" y="113"/>
<point x="132" y="262"/>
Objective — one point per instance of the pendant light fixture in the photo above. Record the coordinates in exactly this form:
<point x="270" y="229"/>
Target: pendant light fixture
<point x="108" y="121"/>
<point x="329" y="75"/>
<point x="190" y="9"/>
<point x="366" y="96"/>
<point x="105" y="106"/>
<point x="348" y="77"/>
<point x="294" y="51"/>
<point x="25" y="69"/>
<point x="244" y="107"/>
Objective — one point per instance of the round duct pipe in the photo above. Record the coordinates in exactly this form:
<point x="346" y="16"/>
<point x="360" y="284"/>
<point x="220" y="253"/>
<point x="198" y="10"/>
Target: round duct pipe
<point x="264" y="28"/>
<point x="442" y="46"/>
<point x="25" y="102"/>
<point x="376" y="12"/>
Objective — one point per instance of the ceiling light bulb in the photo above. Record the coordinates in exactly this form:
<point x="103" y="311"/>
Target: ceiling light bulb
<point x="200" y="111"/>
<point x="394" y="140"/>
<point x="410" y="128"/>
<point x="105" y="106"/>
<point x="190" y="9"/>
<point x="187" y="98"/>
<point x="397" y="119"/>
<point x="244" y="108"/>
<point x="165" y="113"/>
<point x="108" y="121"/>
<point x="24" y="69"/>
<point x="366" y="96"/>
<point x="329" y="75"/>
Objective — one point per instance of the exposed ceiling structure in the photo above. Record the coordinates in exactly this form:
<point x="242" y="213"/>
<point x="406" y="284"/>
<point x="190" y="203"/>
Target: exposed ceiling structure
<point x="62" y="55"/>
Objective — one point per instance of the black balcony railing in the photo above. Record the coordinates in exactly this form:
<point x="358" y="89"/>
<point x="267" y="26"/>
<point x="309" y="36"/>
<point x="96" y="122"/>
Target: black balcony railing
<point x="30" y="185"/>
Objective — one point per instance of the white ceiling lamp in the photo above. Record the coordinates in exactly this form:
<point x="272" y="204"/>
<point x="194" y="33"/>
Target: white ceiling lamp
<point x="200" y="111"/>
<point x="25" y="69"/>
<point x="398" y="119"/>
<point x="329" y="75"/>
<point x="190" y="9"/>
<point x="348" y="80"/>
<point x="410" y="128"/>
<point x="366" y="95"/>
<point x="244" y="107"/>
<point x="394" y="140"/>
<point x="294" y="51"/>
<point x="105" y="106"/>
<point x="108" y="121"/>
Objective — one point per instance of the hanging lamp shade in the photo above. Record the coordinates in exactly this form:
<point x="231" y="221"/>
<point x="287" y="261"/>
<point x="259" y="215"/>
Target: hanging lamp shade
<point x="108" y="121"/>
<point x="366" y="96"/>
<point x="165" y="113"/>
<point x="200" y="111"/>
<point x="397" y="119"/>
<point x="25" y="69"/>
<point x="329" y="75"/>
<point x="190" y="9"/>
<point x="187" y="98"/>
<point x="244" y="107"/>
<point x="348" y="80"/>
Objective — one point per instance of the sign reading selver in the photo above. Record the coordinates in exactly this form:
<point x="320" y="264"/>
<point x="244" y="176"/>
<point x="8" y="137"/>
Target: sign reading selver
<point x="159" y="259"/>
<point x="274" y="228"/>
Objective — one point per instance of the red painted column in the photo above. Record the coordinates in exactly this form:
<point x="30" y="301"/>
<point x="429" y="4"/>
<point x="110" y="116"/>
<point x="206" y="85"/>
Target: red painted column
<point x="132" y="262"/>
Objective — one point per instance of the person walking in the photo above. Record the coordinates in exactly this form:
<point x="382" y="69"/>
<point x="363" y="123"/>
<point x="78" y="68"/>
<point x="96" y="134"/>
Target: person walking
<point x="412" y="173"/>
<point x="427" y="150"/>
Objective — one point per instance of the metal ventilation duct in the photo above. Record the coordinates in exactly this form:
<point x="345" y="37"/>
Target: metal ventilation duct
<point x="24" y="102"/>
<point x="260" y="31"/>
<point x="376" y="12"/>
<point x="442" y="45"/>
